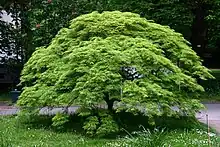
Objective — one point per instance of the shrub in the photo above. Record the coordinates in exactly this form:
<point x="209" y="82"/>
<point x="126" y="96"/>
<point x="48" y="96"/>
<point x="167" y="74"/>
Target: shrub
<point x="212" y="86"/>
<point x="110" y="58"/>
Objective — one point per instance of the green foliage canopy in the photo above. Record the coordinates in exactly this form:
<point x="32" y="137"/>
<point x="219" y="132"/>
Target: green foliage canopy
<point x="83" y="65"/>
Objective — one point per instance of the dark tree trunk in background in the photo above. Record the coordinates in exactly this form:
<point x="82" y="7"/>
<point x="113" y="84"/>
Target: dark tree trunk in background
<point x="27" y="47"/>
<point x="199" y="30"/>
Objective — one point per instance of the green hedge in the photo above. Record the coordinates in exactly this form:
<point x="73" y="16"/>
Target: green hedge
<point x="212" y="86"/>
<point x="216" y="73"/>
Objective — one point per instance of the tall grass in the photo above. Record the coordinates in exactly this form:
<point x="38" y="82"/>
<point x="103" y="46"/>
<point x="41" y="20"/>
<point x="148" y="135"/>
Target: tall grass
<point x="4" y="141"/>
<point x="175" y="138"/>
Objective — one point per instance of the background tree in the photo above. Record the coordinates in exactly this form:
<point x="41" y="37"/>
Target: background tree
<point x="11" y="49"/>
<point x="41" y="20"/>
<point x="50" y="16"/>
<point x="114" y="57"/>
<point x="213" y="36"/>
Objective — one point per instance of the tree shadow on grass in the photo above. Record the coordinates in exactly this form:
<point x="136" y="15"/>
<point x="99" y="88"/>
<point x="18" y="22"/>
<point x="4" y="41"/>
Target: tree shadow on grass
<point x="135" y="123"/>
<point x="128" y="123"/>
<point x="45" y="122"/>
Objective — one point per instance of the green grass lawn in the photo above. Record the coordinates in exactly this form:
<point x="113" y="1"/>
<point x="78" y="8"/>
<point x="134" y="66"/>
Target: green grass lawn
<point x="14" y="134"/>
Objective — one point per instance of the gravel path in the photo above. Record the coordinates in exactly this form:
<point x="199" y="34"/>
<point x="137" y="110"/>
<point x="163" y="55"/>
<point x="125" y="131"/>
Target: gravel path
<point x="9" y="110"/>
<point x="213" y="113"/>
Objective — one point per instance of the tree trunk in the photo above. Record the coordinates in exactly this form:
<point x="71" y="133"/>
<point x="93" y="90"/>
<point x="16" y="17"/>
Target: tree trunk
<point x="199" y="30"/>
<point x="109" y="102"/>
<point x="25" y="28"/>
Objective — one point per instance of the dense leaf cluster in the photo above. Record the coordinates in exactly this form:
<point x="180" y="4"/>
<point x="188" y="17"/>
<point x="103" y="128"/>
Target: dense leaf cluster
<point x="87" y="63"/>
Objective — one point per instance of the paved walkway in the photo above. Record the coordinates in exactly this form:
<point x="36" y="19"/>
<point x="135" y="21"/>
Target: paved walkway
<point x="213" y="112"/>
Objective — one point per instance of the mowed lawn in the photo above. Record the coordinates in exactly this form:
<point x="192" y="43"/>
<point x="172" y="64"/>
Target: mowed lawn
<point x="13" y="134"/>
